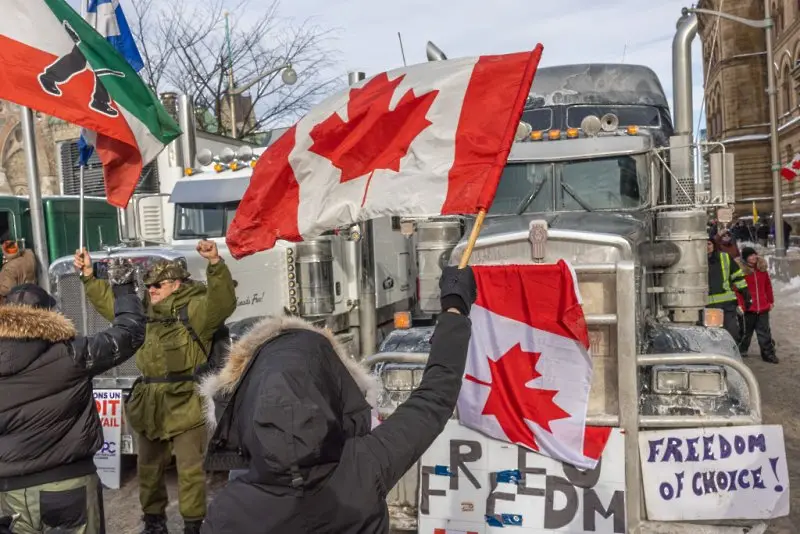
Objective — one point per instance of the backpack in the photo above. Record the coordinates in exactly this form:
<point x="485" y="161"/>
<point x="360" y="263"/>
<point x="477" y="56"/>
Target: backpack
<point x="220" y="342"/>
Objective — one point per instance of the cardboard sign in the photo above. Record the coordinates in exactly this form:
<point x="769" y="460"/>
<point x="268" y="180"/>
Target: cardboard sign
<point x="476" y="484"/>
<point x="108" y="458"/>
<point x="715" y="473"/>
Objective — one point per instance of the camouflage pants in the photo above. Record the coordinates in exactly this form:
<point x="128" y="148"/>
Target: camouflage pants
<point x="154" y="457"/>
<point x="73" y="506"/>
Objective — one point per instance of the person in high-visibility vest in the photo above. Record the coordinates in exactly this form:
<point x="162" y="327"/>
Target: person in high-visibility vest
<point x="725" y="277"/>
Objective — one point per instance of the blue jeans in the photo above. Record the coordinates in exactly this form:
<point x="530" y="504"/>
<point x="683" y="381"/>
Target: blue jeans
<point x="236" y="473"/>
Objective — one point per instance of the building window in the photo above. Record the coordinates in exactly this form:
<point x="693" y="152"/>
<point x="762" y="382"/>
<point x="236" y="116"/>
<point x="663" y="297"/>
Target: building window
<point x="786" y="91"/>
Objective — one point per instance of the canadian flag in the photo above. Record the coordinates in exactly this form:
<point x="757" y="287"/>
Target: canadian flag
<point x="791" y="169"/>
<point x="423" y="140"/>
<point x="529" y="370"/>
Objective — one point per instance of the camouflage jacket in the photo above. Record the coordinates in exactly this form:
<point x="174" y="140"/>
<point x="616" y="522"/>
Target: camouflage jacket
<point x="162" y="410"/>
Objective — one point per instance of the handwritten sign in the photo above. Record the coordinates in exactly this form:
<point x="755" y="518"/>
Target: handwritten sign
<point x="715" y="473"/>
<point x="473" y="483"/>
<point x="109" y="458"/>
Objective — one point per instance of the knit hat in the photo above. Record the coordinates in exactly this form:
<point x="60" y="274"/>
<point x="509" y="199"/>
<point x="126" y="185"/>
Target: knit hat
<point x="747" y="252"/>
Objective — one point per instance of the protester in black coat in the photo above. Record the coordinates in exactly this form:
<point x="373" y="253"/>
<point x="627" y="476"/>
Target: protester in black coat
<point x="297" y="416"/>
<point x="49" y="426"/>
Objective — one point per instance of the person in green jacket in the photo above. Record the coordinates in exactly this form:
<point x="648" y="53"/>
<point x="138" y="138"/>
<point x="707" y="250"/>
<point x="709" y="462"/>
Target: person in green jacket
<point x="164" y="408"/>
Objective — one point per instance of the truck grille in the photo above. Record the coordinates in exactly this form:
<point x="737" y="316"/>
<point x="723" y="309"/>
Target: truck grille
<point x="69" y="291"/>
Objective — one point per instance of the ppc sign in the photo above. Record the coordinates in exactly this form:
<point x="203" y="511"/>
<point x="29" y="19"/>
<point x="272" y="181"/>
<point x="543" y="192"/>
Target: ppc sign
<point x="108" y="459"/>
<point x="470" y="483"/>
<point x="715" y="473"/>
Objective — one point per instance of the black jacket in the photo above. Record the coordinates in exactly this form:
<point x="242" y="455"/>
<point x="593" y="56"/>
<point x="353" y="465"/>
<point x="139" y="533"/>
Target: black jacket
<point x="298" y="421"/>
<point x="49" y="426"/>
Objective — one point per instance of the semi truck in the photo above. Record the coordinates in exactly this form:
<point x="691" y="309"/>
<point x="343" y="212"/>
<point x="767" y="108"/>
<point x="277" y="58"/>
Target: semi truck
<point x="352" y="280"/>
<point x="602" y="178"/>
<point x="61" y="222"/>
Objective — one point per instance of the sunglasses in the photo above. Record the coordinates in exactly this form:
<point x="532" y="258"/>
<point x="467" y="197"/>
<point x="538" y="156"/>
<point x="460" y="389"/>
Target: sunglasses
<point x="157" y="285"/>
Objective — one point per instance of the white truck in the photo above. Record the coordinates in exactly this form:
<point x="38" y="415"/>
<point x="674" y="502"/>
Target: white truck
<point x="351" y="281"/>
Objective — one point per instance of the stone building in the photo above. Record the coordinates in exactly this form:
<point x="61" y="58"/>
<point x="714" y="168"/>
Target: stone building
<point x="13" y="170"/>
<point x="737" y="110"/>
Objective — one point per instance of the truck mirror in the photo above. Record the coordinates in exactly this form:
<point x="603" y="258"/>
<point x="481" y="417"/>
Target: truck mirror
<point x="722" y="178"/>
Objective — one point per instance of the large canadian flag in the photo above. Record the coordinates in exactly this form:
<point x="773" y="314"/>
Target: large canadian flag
<point x="529" y="369"/>
<point x="423" y="140"/>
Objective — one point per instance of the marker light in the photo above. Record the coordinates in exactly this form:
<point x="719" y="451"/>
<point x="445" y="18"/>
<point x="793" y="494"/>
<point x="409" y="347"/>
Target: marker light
<point x="402" y="320"/>
<point x="713" y="317"/>
<point x="188" y="171"/>
<point x="234" y="166"/>
<point x="554" y="135"/>
<point x="632" y="130"/>
<point x="253" y="163"/>
<point x="536" y="136"/>
<point x="218" y="167"/>
<point x="572" y="133"/>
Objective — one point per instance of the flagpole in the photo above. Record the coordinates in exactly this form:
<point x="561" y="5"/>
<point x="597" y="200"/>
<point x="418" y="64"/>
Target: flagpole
<point x="473" y="238"/>
<point x="35" y="200"/>
<point x="81" y="210"/>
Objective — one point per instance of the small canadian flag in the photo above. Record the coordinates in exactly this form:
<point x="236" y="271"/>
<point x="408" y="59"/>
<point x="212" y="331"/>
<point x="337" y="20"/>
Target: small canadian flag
<point x="791" y="169"/>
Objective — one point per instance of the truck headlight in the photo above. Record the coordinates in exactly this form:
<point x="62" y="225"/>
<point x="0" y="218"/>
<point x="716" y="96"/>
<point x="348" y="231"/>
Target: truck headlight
<point x="670" y="381"/>
<point x="401" y="379"/>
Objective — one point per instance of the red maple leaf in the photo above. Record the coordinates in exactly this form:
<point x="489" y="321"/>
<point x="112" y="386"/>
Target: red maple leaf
<point x="373" y="137"/>
<point x="796" y="164"/>
<point x="511" y="401"/>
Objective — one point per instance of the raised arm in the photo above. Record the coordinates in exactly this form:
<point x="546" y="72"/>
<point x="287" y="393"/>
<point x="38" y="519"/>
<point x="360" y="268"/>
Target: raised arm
<point x="98" y="292"/>
<point x="208" y="313"/>
<point x="113" y="346"/>
<point x="402" y="439"/>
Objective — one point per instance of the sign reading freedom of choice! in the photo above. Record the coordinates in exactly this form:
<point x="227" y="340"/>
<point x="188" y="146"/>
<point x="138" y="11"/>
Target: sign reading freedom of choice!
<point x="715" y="473"/>
<point x="471" y="483"/>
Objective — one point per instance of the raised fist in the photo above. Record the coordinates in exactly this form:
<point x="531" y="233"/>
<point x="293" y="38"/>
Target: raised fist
<point x="120" y="271"/>
<point x="83" y="263"/>
<point x="458" y="289"/>
<point x="208" y="250"/>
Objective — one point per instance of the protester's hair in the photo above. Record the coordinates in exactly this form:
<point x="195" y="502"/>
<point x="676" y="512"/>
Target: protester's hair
<point x="31" y="295"/>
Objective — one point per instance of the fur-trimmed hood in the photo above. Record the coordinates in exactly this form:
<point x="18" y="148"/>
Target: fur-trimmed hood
<point x="26" y="332"/>
<point x="221" y="384"/>
<point x="761" y="266"/>
<point x="27" y="322"/>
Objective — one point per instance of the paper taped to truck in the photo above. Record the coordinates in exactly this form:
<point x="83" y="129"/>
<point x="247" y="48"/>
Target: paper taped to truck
<point x="715" y="473"/>
<point x="473" y="483"/>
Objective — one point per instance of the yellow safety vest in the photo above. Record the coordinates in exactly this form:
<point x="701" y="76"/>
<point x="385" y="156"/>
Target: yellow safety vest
<point x="727" y="294"/>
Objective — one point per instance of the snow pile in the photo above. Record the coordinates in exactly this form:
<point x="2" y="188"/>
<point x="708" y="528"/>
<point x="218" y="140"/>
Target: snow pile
<point x="787" y="294"/>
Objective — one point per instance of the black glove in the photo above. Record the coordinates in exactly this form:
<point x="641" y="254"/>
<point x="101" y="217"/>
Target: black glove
<point x="457" y="289"/>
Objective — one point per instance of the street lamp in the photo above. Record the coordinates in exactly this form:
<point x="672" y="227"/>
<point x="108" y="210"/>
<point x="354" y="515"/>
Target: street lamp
<point x="288" y="76"/>
<point x="767" y="25"/>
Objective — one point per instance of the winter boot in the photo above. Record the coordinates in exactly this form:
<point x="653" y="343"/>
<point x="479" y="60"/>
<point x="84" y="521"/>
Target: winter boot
<point x="155" y="524"/>
<point x="192" y="527"/>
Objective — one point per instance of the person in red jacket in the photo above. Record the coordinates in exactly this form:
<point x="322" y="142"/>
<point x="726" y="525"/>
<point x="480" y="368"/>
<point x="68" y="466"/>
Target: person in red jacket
<point x="756" y="317"/>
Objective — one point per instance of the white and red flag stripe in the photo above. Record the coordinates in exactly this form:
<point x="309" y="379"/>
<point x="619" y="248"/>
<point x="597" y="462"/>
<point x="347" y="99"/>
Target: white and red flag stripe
<point x="529" y="370"/>
<point x="424" y="140"/>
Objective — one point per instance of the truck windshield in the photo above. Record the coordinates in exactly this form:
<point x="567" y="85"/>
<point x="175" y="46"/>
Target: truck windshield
<point x="586" y="185"/>
<point x="194" y="221"/>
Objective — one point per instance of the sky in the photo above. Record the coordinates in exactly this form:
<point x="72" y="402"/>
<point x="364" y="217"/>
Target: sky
<point x="587" y="31"/>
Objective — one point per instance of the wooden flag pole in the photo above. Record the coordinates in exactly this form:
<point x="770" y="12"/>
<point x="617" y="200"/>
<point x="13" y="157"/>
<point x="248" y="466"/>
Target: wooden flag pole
<point x="473" y="237"/>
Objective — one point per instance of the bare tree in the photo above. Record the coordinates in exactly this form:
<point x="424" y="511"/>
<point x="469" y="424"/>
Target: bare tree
<point x="184" y="47"/>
